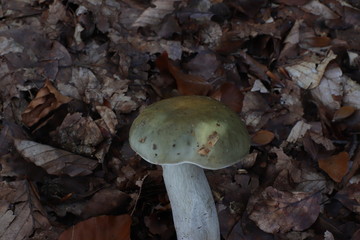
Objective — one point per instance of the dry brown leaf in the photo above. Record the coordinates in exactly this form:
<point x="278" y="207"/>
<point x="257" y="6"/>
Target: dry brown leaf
<point x="335" y="166"/>
<point x="25" y="215"/>
<point x="278" y="211"/>
<point x="230" y="95"/>
<point x="102" y="227"/>
<point x="154" y="14"/>
<point x="55" y="161"/>
<point x="46" y="100"/>
<point x="308" y="72"/>
<point x="105" y="201"/>
<point x="187" y="84"/>
<point x="262" y="137"/>
<point x="343" y="112"/>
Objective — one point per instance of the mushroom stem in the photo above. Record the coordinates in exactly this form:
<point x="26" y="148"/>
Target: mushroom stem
<point x="193" y="208"/>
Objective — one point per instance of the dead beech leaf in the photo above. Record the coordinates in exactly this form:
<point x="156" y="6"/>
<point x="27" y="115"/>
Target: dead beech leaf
<point x="343" y="112"/>
<point x="55" y="161"/>
<point x="187" y="84"/>
<point x="298" y="131"/>
<point x="317" y="8"/>
<point x="335" y="166"/>
<point x="262" y="137"/>
<point x="278" y="211"/>
<point x="308" y="72"/>
<point x="154" y="15"/>
<point x="46" y="100"/>
<point x="25" y="215"/>
<point x="230" y="95"/>
<point x="101" y="227"/>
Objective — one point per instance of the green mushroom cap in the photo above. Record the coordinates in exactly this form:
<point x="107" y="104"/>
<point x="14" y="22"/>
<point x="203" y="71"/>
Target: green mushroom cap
<point x="190" y="129"/>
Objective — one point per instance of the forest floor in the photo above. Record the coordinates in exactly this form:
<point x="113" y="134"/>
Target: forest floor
<point x="74" y="74"/>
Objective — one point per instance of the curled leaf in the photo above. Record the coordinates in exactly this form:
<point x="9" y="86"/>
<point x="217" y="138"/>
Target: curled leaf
<point x="187" y="84"/>
<point x="46" y="100"/>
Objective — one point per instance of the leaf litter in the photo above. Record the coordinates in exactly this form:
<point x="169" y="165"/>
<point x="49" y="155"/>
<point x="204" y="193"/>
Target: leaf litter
<point x="74" y="74"/>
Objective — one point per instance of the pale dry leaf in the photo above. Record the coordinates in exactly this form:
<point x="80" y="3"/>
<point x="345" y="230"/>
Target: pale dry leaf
<point x="55" y="161"/>
<point x="317" y="8"/>
<point x="308" y="72"/>
<point x="258" y="86"/>
<point x="26" y="214"/>
<point x="298" y="131"/>
<point x="330" y="87"/>
<point x="9" y="45"/>
<point x="109" y="117"/>
<point x="351" y="93"/>
<point x="320" y="139"/>
<point x="154" y="15"/>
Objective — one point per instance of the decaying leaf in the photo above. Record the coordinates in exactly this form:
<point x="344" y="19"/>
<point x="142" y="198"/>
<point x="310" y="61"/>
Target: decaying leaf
<point x="335" y="166"/>
<point x="262" y="137"/>
<point x="55" y="161"/>
<point x="154" y="15"/>
<point x="78" y="134"/>
<point x="46" y="100"/>
<point x="350" y="197"/>
<point x="308" y="72"/>
<point x="278" y="211"/>
<point x="102" y="227"/>
<point x="230" y="95"/>
<point x="343" y="112"/>
<point x="187" y="84"/>
<point x="21" y="212"/>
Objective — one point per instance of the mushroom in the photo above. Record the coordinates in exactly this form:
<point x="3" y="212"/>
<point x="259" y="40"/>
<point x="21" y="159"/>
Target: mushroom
<point x="185" y="135"/>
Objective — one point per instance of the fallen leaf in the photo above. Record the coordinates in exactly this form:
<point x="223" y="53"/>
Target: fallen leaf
<point x="78" y="134"/>
<point x="105" y="201"/>
<point x="230" y="95"/>
<point x="308" y="72"/>
<point x="21" y="212"/>
<point x="187" y="84"/>
<point x="55" y="161"/>
<point x="262" y="137"/>
<point x="350" y="197"/>
<point x="46" y="100"/>
<point x="343" y="112"/>
<point x="154" y="14"/>
<point x="298" y="131"/>
<point x="278" y="211"/>
<point x="335" y="166"/>
<point x="330" y="90"/>
<point x="317" y="8"/>
<point x="102" y="227"/>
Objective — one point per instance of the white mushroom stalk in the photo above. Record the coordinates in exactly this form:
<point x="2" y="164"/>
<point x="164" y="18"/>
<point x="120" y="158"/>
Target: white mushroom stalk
<point x="192" y="204"/>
